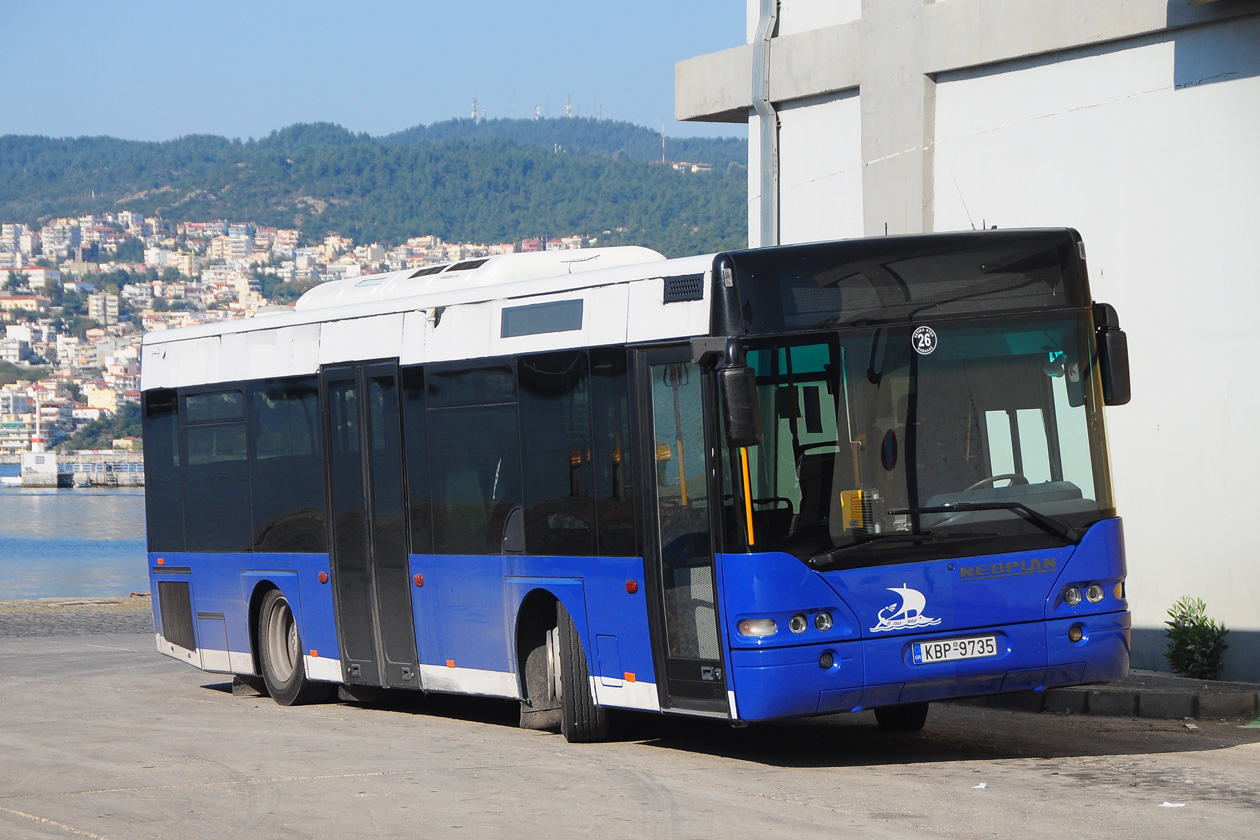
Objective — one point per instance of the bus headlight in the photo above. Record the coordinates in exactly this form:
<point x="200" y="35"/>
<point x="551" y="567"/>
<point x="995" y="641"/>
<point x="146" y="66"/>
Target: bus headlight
<point x="823" y="622"/>
<point x="757" y="627"/>
<point x="1094" y="594"/>
<point x="797" y="624"/>
<point x="1071" y="596"/>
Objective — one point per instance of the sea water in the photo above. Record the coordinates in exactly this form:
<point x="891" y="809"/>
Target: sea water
<point x="65" y="543"/>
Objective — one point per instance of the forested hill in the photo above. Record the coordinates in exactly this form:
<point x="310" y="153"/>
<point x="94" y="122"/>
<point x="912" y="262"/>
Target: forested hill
<point x="600" y="137"/>
<point x="485" y="181"/>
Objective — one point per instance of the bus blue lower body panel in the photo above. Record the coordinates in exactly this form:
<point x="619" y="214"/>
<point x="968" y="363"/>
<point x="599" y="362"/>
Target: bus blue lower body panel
<point x="851" y="676"/>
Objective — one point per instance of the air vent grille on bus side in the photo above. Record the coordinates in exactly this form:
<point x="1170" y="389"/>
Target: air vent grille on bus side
<point x="177" y="619"/>
<point x="469" y="265"/>
<point x="684" y="287"/>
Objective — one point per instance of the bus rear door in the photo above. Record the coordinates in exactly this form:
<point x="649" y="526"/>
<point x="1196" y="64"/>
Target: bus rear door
<point x="367" y="527"/>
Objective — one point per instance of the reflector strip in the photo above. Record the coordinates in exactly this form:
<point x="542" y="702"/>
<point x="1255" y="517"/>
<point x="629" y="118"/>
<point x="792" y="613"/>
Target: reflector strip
<point x="743" y="457"/>
<point x="450" y="663"/>
<point x="629" y="677"/>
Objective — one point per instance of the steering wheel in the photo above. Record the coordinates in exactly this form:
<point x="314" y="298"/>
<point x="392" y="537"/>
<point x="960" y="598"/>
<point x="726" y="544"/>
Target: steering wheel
<point x="1014" y="478"/>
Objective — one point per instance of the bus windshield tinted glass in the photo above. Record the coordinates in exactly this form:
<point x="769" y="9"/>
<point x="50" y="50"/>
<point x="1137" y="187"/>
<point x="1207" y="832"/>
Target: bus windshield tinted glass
<point x="903" y="442"/>
<point x="903" y="278"/>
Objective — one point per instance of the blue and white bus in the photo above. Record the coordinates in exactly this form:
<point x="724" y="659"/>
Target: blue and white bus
<point x="864" y="474"/>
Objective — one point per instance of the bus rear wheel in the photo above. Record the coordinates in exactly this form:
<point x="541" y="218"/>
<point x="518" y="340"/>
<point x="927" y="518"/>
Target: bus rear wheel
<point x="280" y="649"/>
<point x="582" y="720"/>
<point x="908" y="717"/>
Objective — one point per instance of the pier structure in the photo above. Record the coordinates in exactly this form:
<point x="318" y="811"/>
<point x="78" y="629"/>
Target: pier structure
<point x="86" y="468"/>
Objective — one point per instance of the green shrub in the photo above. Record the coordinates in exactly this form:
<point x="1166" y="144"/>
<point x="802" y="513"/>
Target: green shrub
<point x="1195" y="642"/>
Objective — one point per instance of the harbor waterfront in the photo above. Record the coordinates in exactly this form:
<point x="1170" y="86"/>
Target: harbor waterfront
<point x="82" y="542"/>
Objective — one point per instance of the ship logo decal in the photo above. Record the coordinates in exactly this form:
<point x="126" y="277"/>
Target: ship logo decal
<point x="906" y="614"/>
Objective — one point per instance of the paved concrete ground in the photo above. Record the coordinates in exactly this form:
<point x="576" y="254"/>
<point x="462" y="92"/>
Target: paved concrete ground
<point x="75" y="616"/>
<point x="102" y="737"/>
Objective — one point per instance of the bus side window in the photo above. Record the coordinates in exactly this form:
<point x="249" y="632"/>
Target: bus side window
<point x="618" y="533"/>
<point x="164" y="500"/>
<point x="287" y="466"/>
<point x="556" y="454"/>
<point x="416" y="447"/>
<point x="474" y="457"/>
<point x="216" y="476"/>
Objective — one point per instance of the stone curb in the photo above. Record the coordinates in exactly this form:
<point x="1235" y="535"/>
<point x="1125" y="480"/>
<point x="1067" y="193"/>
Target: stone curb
<point x="1123" y="699"/>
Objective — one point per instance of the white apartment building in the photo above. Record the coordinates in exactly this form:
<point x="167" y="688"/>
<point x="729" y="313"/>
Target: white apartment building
<point x="14" y="351"/>
<point x="11" y="236"/>
<point x="39" y="278"/>
<point x="103" y="308"/>
<point x="60" y="238"/>
<point x="1136" y="122"/>
<point x="133" y="223"/>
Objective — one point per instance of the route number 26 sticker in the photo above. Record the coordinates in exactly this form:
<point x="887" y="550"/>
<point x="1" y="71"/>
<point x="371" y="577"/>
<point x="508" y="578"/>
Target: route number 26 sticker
<point x="924" y="340"/>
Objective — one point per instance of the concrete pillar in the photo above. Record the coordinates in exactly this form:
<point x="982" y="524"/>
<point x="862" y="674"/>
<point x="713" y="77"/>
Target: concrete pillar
<point x="898" y="118"/>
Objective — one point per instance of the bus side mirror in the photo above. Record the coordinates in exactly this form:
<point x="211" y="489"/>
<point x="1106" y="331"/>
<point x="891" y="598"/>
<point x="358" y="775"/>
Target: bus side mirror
<point x="1113" y="355"/>
<point x="737" y="391"/>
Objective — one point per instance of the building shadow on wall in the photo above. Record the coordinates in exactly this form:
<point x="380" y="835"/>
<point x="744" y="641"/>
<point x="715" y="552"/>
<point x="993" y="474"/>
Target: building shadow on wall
<point x="1241" y="662"/>
<point x="1221" y="53"/>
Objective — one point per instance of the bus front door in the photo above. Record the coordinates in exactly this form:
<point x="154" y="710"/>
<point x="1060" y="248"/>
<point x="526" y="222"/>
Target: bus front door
<point x="367" y="527"/>
<point x="680" y="560"/>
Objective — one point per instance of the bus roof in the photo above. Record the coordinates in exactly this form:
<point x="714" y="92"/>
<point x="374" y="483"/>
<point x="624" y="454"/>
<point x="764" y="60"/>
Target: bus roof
<point x="507" y="305"/>
<point x="496" y="277"/>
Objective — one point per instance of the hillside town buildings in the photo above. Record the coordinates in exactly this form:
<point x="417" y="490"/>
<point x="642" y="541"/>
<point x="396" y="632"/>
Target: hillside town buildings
<point x="76" y="294"/>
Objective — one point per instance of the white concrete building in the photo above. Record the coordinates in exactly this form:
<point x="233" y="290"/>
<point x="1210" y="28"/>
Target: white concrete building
<point x="103" y="308"/>
<point x="1136" y="122"/>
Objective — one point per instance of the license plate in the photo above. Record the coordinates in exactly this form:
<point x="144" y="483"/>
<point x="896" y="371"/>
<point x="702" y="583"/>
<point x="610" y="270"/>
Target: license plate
<point x="949" y="650"/>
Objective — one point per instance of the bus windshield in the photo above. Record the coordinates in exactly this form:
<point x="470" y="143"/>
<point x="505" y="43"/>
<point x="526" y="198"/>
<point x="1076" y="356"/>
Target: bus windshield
<point x="918" y="441"/>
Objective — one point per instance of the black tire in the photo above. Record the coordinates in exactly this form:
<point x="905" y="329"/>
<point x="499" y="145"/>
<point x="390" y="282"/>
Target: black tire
<point x="582" y="721"/>
<point x="908" y="717"/>
<point x="280" y="654"/>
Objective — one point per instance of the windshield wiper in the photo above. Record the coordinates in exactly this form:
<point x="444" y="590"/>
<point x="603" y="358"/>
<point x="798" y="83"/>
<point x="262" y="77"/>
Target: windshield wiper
<point x="827" y="559"/>
<point x="1051" y="526"/>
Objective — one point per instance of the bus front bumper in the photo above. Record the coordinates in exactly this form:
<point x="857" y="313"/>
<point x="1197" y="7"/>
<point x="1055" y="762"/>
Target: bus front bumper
<point x="778" y="682"/>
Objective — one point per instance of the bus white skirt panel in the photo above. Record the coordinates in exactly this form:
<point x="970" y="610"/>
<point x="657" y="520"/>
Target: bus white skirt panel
<point x="452" y="680"/>
<point x="626" y="695"/>
<point x="322" y="668"/>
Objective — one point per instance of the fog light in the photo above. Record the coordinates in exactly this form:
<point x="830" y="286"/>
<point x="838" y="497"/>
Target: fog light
<point x="1075" y="633"/>
<point x="757" y="627"/>
<point x="1071" y="596"/>
<point x="797" y="624"/>
<point x="1094" y="594"/>
<point x="823" y="621"/>
<point x="826" y="661"/>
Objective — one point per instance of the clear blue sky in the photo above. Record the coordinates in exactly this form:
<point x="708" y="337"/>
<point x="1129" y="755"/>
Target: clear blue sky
<point x="149" y="70"/>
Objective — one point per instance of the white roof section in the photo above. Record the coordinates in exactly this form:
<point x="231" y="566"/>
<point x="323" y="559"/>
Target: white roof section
<point x="469" y="274"/>
<point x="453" y="313"/>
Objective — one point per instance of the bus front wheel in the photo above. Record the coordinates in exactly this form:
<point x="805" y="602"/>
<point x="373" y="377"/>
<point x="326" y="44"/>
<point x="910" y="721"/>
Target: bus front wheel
<point x="582" y="720"/>
<point x="908" y="717"/>
<point x="280" y="646"/>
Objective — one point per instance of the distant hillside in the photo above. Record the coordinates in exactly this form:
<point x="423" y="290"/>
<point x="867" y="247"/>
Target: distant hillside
<point x="584" y="135"/>
<point x="499" y="180"/>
